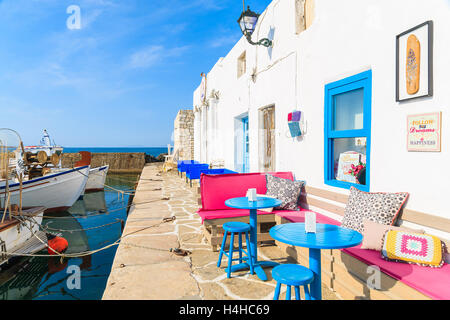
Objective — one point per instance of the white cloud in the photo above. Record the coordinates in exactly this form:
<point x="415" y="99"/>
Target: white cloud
<point x="151" y="55"/>
<point x="146" y="57"/>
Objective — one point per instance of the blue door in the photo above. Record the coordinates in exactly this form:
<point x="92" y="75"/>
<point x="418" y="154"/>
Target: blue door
<point x="246" y="145"/>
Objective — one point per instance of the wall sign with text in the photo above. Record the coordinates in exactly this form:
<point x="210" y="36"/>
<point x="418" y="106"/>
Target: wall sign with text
<point x="424" y="132"/>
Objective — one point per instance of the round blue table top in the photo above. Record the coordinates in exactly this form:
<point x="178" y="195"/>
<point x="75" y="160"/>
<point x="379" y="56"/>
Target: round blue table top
<point x="327" y="236"/>
<point x="260" y="203"/>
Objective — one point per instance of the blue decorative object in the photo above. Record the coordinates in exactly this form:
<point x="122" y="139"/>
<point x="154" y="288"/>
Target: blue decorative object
<point x="326" y="237"/>
<point x="294" y="129"/>
<point x="292" y="275"/>
<point x="260" y="203"/>
<point x="239" y="228"/>
<point x="294" y="123"/>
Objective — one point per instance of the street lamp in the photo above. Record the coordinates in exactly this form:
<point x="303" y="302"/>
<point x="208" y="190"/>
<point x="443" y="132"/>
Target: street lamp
<point x="247" y="21"/>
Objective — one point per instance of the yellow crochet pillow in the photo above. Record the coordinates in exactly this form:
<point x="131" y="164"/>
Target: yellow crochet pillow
<point x="415" y="248"/>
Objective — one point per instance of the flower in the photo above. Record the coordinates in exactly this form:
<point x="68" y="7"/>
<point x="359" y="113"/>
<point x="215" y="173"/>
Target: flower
<point x="354" y="171"/>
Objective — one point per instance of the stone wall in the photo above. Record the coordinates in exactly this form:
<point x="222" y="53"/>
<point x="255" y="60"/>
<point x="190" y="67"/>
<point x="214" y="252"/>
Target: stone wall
<point x="118" y="162"/>
<point x="183" y="134"/>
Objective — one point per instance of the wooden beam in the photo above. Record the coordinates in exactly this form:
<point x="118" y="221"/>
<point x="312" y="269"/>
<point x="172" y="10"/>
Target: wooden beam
<point x="325" y="205"/>
<point x="338" y="197"/>
<point x="427" y="220"/>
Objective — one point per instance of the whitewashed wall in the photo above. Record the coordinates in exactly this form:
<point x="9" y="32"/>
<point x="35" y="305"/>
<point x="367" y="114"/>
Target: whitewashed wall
<point x="345" y="38"/>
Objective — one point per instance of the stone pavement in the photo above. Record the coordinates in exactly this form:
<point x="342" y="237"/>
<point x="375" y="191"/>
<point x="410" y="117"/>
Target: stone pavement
<point x="144" y="268"/>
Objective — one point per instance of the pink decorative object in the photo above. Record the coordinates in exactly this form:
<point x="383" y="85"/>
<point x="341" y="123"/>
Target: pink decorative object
<point x="414" y="245"/>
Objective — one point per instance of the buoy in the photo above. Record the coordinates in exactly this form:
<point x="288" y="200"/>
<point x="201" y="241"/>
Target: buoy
<point x="59" y="244"/>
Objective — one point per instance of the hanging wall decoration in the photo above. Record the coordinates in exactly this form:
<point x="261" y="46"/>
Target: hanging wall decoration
<point x="424" y="132"/>
<point x="294" y="119"/>
<point x="414" y="62"/>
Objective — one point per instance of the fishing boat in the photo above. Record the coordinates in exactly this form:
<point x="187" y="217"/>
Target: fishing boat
<point x="20" y="231"/>
<point x="45" y="185"/>
<point x="57" y="190"/>
<point x="47" y="147"/>
<point x="97" y="176"/>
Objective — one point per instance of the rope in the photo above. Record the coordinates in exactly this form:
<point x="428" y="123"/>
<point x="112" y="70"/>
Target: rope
<point x="90" y="252"/>
<point x="79" y="230"/>
<point x="24" y="218"/>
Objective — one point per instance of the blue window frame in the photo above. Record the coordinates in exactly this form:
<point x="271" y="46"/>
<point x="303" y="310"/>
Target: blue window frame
<point x="348" y="104"/>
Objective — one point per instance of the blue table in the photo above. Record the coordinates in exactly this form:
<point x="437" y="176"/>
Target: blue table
<point x="327" y="236"/>
<point x="261" y="203"/>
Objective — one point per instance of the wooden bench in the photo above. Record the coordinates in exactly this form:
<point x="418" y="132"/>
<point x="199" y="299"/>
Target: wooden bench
<point x="213" y="231"/>
<point x="347" y="275"/>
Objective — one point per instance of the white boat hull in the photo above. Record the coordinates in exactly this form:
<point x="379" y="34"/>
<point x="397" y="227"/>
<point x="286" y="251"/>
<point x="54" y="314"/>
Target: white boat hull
<point x="56" y="191"/>
<point x="97" y="178"/>
<point x="16" y="235"/>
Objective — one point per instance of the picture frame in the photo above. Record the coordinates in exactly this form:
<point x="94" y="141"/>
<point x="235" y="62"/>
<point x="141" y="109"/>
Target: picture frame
<point x="414" y="62"/>
<point x="424" y="132"/>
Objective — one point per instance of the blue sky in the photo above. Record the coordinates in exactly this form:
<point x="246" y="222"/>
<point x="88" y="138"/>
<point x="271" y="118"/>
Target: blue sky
<point x="117" y="81"/>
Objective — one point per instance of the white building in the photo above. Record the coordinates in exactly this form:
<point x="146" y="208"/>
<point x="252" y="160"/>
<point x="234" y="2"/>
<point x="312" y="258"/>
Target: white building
<point x="331" y="55"/>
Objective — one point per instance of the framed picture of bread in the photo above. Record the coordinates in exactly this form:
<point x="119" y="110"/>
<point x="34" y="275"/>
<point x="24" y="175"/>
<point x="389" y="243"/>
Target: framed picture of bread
<point x="414" y="62"/>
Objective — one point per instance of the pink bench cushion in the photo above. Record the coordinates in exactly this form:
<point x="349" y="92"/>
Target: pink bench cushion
<point x="215" y="189"/>
<point x="228" y="213"/>
<point x="433" y="282"/>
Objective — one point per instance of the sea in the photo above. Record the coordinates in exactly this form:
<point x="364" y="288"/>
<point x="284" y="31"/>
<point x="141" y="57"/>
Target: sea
<point x="154" y="151"/>
<point x="92" y="223"/>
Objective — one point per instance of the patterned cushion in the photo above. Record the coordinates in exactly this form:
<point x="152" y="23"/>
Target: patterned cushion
<point x="414" y="248"/>
<point x="285" y="190"/>
<point x="378" y="207"/>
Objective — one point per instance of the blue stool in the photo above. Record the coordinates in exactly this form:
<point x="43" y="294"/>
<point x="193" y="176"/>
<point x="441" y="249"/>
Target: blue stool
<point x="292" y="275"/>
<point x="239" y="228"/>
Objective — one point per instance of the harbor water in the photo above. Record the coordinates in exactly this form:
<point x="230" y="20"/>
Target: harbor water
<point x="91" y="223"/>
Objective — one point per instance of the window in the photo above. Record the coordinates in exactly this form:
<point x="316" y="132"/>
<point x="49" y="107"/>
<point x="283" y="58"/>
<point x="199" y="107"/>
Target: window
<point x="304" y="15"/>
<point x="347" y="131"/>
<point x="241" y="65"/>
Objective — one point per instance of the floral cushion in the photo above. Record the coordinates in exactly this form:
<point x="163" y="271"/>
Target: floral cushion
<point x="414" y="248"/>
<point x="378" y="207"/>
<point x="285" y="190"/>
